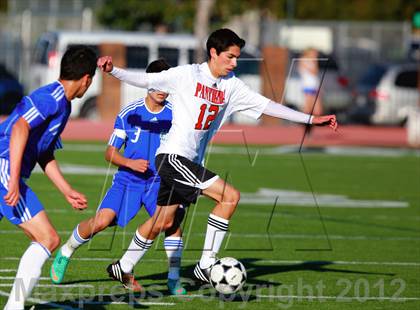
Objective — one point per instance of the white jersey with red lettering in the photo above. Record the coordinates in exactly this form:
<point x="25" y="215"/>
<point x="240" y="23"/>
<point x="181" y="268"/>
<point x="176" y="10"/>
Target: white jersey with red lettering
<point x="201" y="104"/>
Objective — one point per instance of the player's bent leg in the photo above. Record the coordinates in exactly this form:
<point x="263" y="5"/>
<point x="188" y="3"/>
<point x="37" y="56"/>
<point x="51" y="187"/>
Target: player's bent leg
<point x="45" y="240"/>
<point x="173" y="246"/>
<point x="227" y="198"/>
<point x="40" y="230"/>
<point x="175" y="230"/>
<point x="161" y="220"/>
<point x="141" y="242"/>
<point x="145" y="235"/>
<point x="95" y="224"/>
<point x="81" y="234"/>
<point x="62" y="258"/>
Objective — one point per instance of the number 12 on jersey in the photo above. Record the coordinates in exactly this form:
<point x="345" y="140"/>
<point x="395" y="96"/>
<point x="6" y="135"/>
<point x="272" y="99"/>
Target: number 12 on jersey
<point x="211" y="113"/>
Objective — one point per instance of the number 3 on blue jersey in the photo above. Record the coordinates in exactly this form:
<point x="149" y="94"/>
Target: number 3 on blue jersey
<point x="136" y="135"/>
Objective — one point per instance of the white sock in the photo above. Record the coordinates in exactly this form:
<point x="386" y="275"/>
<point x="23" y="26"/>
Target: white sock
<point x="216" y="231"/>
<point x="138" y="247"/>
<point x="27" y="275"/>
<point x="173" y="247"/>
<point x="73" y="243"/>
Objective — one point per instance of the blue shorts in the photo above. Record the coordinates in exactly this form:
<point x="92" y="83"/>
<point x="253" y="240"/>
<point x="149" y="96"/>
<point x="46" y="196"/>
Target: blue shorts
<point x="28" y="205"/>
<point x="126" y="200"/>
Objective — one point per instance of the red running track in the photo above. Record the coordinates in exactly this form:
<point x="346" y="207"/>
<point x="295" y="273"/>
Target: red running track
<point x="274" y="135"/>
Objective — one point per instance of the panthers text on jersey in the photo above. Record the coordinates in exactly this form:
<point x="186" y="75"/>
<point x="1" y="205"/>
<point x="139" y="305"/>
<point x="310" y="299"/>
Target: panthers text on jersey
<point x="201" y="104"/>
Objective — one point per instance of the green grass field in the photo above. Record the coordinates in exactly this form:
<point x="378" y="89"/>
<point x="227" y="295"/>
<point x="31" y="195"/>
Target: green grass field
<point x="359" y="250"/>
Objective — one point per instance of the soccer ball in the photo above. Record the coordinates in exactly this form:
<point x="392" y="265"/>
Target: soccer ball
<point x="227" y="275"/>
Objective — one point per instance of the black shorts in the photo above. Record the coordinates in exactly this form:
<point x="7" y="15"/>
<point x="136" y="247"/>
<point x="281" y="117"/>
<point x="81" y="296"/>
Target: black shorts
<point x="181" y="180"/>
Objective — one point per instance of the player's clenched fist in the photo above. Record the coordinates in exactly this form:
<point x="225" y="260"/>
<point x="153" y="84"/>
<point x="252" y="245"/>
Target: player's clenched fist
<point x="325" y="120"/>
<point x="139" y="165"/>
<point x="105" y="63"/>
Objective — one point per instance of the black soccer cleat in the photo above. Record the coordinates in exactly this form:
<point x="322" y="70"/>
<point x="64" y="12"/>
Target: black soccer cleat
<point x="202" y="274"/>
<point x="126" y="279"/>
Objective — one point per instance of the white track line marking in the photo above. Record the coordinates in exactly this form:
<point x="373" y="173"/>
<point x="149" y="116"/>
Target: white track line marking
<point x="267" y="196"/>
<point x="52" y="285"/>
<point x="337" y="298"/>
<point x="287" y="262"/>
<point x="43" y="302"/>
<point x="12" y="278"/>
<point x="245" y="294"/>
<point x="196" y="296"/>
<point x="256" y="235"/>
<point x="266" y="214"/>
<point x="87" y="302"/>
<point x="287" y="149"/>
<point x="259" y="262"/>
<point x="145" y="303"/>
<point x="80" y="170"/>
<point x="308" y="297"/>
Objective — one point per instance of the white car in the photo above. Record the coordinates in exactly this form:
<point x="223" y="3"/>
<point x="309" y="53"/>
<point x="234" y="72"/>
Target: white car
<point x="141" y="49"/>
<point x="396" y="95"/>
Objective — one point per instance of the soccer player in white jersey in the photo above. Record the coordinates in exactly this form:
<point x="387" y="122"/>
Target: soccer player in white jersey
<point x="30" y="135"/>
<point x="139" y="127"/>
<point x="203" y="97"/>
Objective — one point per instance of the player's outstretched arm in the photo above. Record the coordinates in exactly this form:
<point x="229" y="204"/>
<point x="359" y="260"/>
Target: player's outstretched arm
<point x="18" y="140"/>
<point x="113" y="155"/>
<point x="137" y="79"/>
<point x="75" y="199"/>
<point x="281" y="111"/>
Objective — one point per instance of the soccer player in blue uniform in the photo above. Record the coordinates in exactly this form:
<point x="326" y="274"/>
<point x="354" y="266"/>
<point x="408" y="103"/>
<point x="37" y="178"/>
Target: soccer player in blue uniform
<point x="139" y="127"/>
<point x="30" y="135"/>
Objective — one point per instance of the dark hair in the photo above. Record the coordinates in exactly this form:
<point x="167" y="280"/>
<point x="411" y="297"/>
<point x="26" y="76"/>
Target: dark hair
<point x="158" y="66"/>
<point x="78" y="61"/>
<point x="222" y="39"/>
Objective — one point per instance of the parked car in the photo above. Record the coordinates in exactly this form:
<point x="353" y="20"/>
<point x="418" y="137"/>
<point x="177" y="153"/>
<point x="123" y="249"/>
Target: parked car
<point x="141" y="48"/>
<point x="11" y="91"/>
<point x="363" y="95"/>
<point x="335" y="90"/>
<point x="396" y="94"/>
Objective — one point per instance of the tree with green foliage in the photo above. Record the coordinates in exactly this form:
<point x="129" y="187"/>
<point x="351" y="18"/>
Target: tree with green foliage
<point x="134" y="14"/>
<point x="3" y="5"/>
<point x="179" y="15"/>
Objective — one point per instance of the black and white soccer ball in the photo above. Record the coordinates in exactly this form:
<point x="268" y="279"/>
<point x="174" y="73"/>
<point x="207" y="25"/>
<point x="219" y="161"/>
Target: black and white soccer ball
<point x="227" y="275"/>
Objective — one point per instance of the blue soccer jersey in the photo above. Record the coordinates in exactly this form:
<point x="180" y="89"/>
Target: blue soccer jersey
<point x="140" y="131"/>
<point x="46" y="110"/>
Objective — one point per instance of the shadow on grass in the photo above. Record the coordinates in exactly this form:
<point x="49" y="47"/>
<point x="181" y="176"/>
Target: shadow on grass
<point x="157" y="292"/>
<point x="255" y="270"/>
